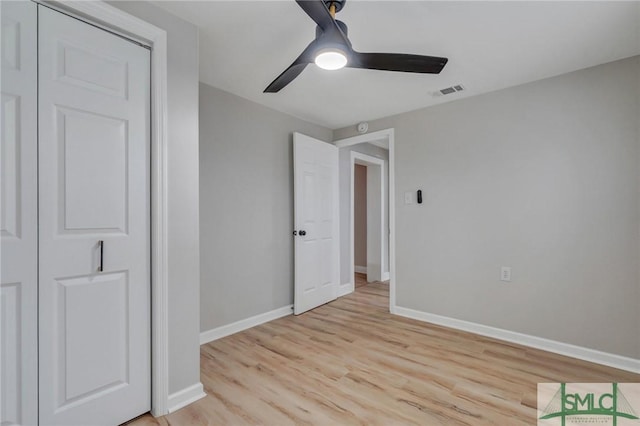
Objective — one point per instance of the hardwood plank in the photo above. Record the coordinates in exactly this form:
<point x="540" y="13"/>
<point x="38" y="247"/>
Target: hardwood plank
<point x="351" y="362"/>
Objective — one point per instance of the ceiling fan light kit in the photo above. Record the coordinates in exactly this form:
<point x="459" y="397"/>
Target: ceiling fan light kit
<point x="331" y="59"/>
<point x="331" y="49"/>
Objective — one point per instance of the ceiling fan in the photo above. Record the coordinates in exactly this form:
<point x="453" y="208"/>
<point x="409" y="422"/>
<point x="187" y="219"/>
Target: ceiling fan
<point x="332" y="50"/>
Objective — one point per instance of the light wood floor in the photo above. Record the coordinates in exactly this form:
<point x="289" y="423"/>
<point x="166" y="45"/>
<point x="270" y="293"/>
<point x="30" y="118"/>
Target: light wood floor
<point x="351" y="362"/>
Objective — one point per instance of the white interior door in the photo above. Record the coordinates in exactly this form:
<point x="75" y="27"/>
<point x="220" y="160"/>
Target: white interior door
<point x="18" y="205"/>
<point x="94" y="298"/>
<point x="317" y="256"/>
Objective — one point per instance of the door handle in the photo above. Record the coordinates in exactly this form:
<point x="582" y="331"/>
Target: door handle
<point x="302" y="233"/>
<point x="101" y="245"/>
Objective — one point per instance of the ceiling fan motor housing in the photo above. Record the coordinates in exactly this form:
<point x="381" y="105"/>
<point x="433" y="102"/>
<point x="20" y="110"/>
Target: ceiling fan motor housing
<point x="332" y="40"/>
<point x="341" y="24"/>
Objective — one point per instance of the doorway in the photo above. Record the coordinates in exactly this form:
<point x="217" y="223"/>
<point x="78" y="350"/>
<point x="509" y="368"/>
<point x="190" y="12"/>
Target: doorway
<point x="383" y="139"/>
<point x="369" y="243"/>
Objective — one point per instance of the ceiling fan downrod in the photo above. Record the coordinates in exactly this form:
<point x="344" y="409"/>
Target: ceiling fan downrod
<point x="334" y="6"/>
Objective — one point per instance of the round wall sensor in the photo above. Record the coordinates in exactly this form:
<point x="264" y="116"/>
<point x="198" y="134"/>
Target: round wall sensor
<point x="363" y="127"/>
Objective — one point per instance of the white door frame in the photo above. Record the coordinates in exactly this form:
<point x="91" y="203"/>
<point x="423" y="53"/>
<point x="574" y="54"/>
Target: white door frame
<point x="387" y="137"/>
<point x="117" y="21"/>
<point x="374" y="189"/>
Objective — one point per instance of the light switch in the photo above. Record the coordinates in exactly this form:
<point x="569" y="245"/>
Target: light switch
<point x="408" y="197"/>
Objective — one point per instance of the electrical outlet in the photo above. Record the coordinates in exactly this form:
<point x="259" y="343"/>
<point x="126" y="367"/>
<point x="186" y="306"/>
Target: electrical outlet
<point x="505" y="273"/>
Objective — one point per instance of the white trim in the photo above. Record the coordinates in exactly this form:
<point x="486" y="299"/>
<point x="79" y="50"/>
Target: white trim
<point x="579" y="352"/>
<point x="186" y="396"/>
<point x="392" y="221"/>
<point x="345" y="288"/>
<point x="387" y="135"/>
<point x="235" y="327"/>
<point x="121" y="22"/>
<point x="363" y="270"/>
<point x="107" y="17"/>
<point x="382" y="143"/>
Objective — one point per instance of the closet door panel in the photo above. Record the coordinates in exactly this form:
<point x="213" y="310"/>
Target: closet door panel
<point x="94" y="291"/>
<point x="18" y="215"/>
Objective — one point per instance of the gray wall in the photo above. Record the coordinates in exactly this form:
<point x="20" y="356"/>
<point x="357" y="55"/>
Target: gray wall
<point x="544" y="178"/>
<point x="345" y="205"/>
<point x="246" y="206"/>
<point x="182" y="158"/>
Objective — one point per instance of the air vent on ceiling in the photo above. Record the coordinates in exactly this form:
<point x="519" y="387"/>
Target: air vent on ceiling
<point x="449" y="90"/>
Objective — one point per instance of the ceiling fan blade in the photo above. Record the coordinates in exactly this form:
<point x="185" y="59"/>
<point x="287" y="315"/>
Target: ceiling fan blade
<point x="317" y="10"/>
<point x="293" y="71"/>
<point x="286" y="77"/>
<point x="397" y="62"/>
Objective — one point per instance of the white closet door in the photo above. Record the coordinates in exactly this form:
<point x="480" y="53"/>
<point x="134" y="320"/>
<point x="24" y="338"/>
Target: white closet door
<point x="93" y="186"/>
<point x="18" y="208"/>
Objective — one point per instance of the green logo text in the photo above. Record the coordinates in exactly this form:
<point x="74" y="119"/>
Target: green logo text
<point x="565" y="404"/>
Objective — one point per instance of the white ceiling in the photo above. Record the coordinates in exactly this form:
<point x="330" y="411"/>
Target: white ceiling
<point x="244" y="45"/>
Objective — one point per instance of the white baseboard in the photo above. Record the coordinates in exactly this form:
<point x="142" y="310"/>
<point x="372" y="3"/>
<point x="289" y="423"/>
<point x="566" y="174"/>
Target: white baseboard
<point x="185" y="397"/>
<point x="360" y="269"/>
<point x="579" y="352"/>
<point x="345" y="288"/>
<point x="235" y="327"/>
<point x="363" y="270"/>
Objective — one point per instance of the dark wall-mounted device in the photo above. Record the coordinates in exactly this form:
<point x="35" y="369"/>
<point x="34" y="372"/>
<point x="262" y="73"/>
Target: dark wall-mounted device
<point x="419" y="196"/>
